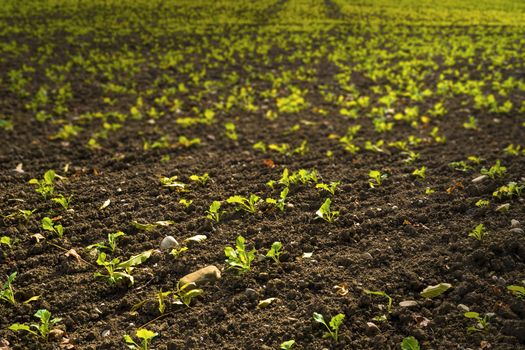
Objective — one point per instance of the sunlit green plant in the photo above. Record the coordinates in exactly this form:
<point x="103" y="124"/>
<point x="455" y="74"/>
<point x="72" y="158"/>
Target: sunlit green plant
<point x="383" y="317"/>
<point x="42" y="330"/>
<point x="333" y="327"/>
<point x="48" y="225"/>
<point x="275" y="252"/>
<point x="45" y="186"/>
<point x="146" y="336"/>
<point x="325" y="212"/>
<point x="377" y="178"/>
<point x="245" y="204"/>
<point x="239" y="258"/>
<point x="479" y="232"/>
<point x="214" y="213"/>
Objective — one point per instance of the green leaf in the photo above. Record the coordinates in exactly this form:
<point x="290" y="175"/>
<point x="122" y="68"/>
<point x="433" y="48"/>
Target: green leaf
<point x="33" y="298"/>
<point x="47" y="224"/>
<point x="337" y="321"/>
<point x="319" y="318"/>
<point x="287" y="345"/>
<point x="44" y="315"/>
<point x="517" y="290"/>
<point x="146" y="334"/>
<point x="19" y="327"/>
<point x="471" y="314"/>
<point x="143" y="227"/>
<point x="5" y="240"/>
<point x="10" y="280"/>
<point x="266" y="302"/>
<point x="434" y="291"/>
<point x="136" y="259"/>
<point x="49" y="177"/>
<point x="410" y="343"/>
<point x="236" y="200"/>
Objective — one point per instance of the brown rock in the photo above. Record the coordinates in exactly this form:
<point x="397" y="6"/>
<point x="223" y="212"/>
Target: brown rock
<point x="200" y="277"/>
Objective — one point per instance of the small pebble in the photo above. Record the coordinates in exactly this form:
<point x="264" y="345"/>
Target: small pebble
<point x="479" y="179"/>
<point x="464" y="308"/>
<point x="408" y="303"/>
<point x="515" y="223"/>
<point x="169" y="242"/>
<point x="251" y="293"/>
<point x="372" y="329"/>
<point x="517" y="230"/>
<point x="106" y="333"/>
<point x="207" y="274"/>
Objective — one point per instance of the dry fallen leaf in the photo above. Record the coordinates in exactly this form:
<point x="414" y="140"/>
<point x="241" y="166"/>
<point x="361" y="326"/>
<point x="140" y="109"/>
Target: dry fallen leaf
<point x="269" y="163"/>
<point x="485" y="345"/>
<point x="38" y="237"/>
<point x="73" y="253"/>
<point x="421" y="321"/>
<point x="341" y="289"/>
<point x="105" y="204"/>
<point x="4" y="344"/>
<point x="19" y="169"/>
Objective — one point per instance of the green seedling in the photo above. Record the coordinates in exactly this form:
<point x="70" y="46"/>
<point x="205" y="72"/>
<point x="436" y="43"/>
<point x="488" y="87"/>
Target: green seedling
<point x="479" y="232"/>
<point x="25" y="214"/>
<point x="279" y="203"/>
<point x="176" y="252"/>
<point x="63" y="201"/>
<point x="512" y="150"/>
<point x="181" y="295"/>
<point x="186" y="142"/>
<point x="230" y="131"/>
<point x="111" y="244"/>
<point x="48" y="225"/>
<point x="377" y="178"/>
<point x="45" y="186"/>
<point x="239" y="258"/>
<point x="117" y="271"/>
<point x="471" y="124"/>
<point x="42" y="330"/>
<point x="517" y="291"/>
<point x="497" y="170"/>
<point x="482" y="203"/>
<point x="172" y="182"/>
<point x="482" y="323"/>
<point x="325" y="212"/>
<point x="420" y="172"/>
<point x="5" y="240"/>
<point x="185" y="202"/>
<point x="202" y="179"/>
<point x="411" y="157"/>
<point x="215" y="212"/>
<point x="144" y="335"/>
<point x="509" y="190"/>
<point x="460" y="166"/>
<point x="333" y="327"/>
<point x="261" y="146"/>
<point x="384" y="317"/>
<point x="410" y="343"/>
<point x="275" y="252"/>
<point x="243" y="203"/>
<point x="287" y="345"/>
<point x="330" y="188"/>
<point x="6" y="293"/>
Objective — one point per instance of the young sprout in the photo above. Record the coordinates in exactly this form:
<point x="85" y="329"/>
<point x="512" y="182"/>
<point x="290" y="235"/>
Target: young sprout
<point x="479" y="232"/>
<point x="45" y="186"/>
<point x="471" y="124"/>
<point x="275" y="252"/>
<point x="333" y="327"/>
<point x="384" y="317"/>
<point x="482" y="323"/>
<point x="420" y="172"/>
<point x="239" y="258"/>
<point x="215" y="212"/>
<point x="512" y="150"/>
<point x="287" y="345"/>
<point x="243" y="203"/>
<point x="482" y="203"/>
<point x="410" y="343"/>
<point x="186" y="142"/>
<point x="497" y="170"/>
<point x="377" y="178"/>
<point x="509" y="190"/>
<point x="280" y="203"/>
<point x="145" y="335"/>
<point x="517" y="291"/>
<point x="325" y="213"/>
<point x="48" y="225"/>
<point x="185" y="202"/>
<point x="117" y="271"/>
<point x="230" y="131"/>
<point x="6" y="241"/>
<point x="43" y="329"/>
<point x="259" y="146"/>
<point x="6" y="293"/>
<point x="111" y="245"/>
<point x="63" y="201"/>
<point x="172" y="182"/>
<point x="330" y="188"/>
<point x="202" y="179"/>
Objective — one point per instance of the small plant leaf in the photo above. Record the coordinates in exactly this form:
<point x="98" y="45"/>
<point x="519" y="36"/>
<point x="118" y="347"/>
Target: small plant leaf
<point x="319" y="318"/>
<point x="434" y="291"/>
<point x="136" y="259"/>
<point x="266" y="302"/>
<point x="146" y="334"/>
<point x="410" y="343"/>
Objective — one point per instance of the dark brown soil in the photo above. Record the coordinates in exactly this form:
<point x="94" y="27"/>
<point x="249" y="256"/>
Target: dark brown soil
<point x="393" y="238"/>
